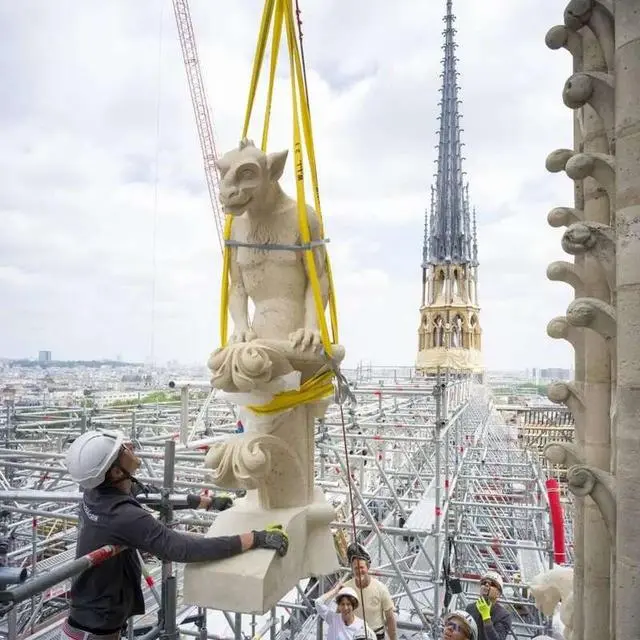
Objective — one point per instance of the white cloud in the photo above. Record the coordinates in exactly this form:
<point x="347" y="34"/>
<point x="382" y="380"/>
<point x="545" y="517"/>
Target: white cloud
<point x="83" y="84"/>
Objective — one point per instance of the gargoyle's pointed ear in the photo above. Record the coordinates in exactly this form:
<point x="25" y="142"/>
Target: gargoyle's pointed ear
<point x="222" y="165"/>
<point x="275" y="164"/>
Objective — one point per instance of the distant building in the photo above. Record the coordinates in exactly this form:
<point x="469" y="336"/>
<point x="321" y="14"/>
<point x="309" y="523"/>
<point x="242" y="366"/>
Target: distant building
<point x="104" y="398"/>
<point x="551" y="374"/>
<point x="555" y="373"/>
<point x="44" y="356"/>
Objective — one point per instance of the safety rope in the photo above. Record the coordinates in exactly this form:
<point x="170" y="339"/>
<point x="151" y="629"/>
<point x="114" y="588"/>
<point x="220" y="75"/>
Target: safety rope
<point x="276" y="16"/>
<point x="341" y="386"/>
<point x="353" y="513"/>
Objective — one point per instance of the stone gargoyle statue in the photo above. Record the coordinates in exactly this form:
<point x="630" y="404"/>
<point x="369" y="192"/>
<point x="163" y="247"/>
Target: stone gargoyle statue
<point x="552" y="587"/>
<point x="275" y="351"/>
<point x="275" y="280"/>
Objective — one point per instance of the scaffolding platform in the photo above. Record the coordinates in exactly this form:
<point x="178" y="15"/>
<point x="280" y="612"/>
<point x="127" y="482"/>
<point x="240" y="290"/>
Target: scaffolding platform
<point x="438" y="480"/>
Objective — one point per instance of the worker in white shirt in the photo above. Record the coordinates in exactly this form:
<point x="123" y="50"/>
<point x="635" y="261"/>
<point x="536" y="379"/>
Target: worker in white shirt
<point x="336" y="608"/>
<point x="378" y="606"/>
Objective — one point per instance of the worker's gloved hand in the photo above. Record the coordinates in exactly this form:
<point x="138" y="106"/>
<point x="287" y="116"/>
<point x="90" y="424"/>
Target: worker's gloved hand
<point x="220" y="503"/>
<point x="273" y="537"/>
<point x="484" y="608"/>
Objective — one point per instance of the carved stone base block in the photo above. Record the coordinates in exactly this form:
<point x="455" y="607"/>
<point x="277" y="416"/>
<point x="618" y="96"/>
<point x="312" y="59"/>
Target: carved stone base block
<point x="430" y="360"/>
<point x="253" y="582"/>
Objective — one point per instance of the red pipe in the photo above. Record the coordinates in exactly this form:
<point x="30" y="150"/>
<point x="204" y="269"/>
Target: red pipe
<point x="557" y="521"/>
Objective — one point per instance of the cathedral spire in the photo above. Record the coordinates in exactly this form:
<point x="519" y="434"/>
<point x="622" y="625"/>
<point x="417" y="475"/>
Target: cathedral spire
<point x="449" y="334"/>
<point x="450" y="236"/>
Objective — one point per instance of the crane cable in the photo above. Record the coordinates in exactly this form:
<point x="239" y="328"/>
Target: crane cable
<point x="353" y="513"/>
<point x="344" y="430"/>
<point x="278" y="14"/>
<point x="342" y="420"/>
<point x="304" y="64"/>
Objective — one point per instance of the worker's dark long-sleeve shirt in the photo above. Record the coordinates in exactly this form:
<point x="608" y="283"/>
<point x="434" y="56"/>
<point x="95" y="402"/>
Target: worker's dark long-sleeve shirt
<point x="496" y="629"/>
<point x="105" y="596"/>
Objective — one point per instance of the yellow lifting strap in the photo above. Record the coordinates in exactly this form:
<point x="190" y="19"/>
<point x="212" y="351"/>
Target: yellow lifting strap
<point x="276" y="14"/>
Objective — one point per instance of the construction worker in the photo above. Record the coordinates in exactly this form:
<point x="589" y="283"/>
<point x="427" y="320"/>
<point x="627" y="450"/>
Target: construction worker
<point x="459" y="625"/>
<point x="104" y="597"/>
<point x="343" y="624"/>
<point x="493" y="620"/>
<point x="377" y="603"/>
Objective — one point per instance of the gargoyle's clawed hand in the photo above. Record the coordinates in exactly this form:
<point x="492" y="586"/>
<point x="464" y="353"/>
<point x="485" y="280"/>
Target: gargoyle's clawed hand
<point x="306" y="339"/>
<point x="244" y="335"/>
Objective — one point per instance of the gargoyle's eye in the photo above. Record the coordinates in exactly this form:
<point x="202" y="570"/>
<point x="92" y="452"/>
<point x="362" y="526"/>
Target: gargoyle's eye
<point x="246" y="174"/>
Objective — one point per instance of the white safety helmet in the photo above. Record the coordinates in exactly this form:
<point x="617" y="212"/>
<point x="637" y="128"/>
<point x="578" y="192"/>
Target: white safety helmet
<point x="91" y="455"/>
<point x="494" y="576"/>
<point x="467" y="619"/>
<point x="350" y="593"/>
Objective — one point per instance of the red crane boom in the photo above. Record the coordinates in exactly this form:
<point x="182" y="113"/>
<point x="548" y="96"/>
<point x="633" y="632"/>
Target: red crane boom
<point x="200" y="109"/>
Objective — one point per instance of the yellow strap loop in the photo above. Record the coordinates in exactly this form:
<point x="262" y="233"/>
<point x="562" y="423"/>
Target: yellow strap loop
<point x="267" y="13"/>
<point x="275" y="50"/>
<point x="275" y="13"/>
<point x="295" y="61"/>
<point x="311" y="391"/>
<point x="303" y="221"/>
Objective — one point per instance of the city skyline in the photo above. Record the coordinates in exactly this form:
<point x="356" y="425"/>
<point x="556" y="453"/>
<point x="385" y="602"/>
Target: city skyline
<point x="97" y="252"/>
<point x="527" y="370"/>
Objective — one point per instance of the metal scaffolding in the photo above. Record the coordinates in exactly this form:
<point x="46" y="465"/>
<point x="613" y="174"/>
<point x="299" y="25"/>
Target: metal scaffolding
<point x="441" y="491"/>
<point x="500" y="520"/>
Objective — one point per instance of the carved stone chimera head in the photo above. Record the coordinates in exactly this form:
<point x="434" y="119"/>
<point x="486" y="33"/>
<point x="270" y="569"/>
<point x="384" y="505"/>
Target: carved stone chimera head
<point x="247" y="175"/>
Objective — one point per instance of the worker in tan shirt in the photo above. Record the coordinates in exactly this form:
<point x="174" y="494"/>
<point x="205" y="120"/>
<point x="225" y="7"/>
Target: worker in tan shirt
<point x="379" y="612"/>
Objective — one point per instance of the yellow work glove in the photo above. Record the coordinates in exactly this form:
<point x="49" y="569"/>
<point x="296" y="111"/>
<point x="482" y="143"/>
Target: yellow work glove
<point x="484" y="609"/>
<point x="272" y="537"/>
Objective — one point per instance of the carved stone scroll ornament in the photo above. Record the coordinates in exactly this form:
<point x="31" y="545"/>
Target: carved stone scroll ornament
<point x="599" y="240"/>
<point x="562" y="271"/>
<point x="260" y="365"/>
<point x="252" y="373"/>
<point x="593" y="314"/>
<point x="560" y="36"/>
<point x="596" y="89"/>
<point x="559" y="328"/>
<point x="599" y="166"/>
<point x="564" y="216"/>
<point x="584" y="480"/>
<point x="597" y="15"/>
<point x="567" y="393"/>
<point x="557" y="160"/>
<point x="247" y="462"/>
<point x="565" y="454"/>
<point x="247" y="367"/>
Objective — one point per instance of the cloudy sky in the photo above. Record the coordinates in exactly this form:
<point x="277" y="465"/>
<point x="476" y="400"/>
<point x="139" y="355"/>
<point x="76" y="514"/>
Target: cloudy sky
<point x="108" y="245"/>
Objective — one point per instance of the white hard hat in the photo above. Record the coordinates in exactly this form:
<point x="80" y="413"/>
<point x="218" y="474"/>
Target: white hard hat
<point x="349" y="592"/>
<point x="467" y="619"/>
<point x="91" y="455"/>
<point x="494" y="577"/>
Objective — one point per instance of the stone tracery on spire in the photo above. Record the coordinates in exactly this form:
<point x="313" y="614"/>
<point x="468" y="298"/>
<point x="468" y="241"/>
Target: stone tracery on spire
<point x="451" y="239"/>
